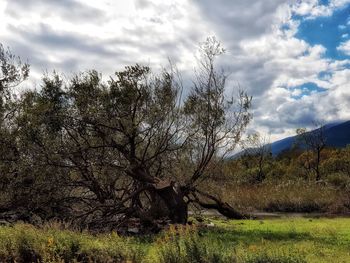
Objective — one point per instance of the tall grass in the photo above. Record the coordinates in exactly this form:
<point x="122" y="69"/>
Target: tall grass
<point x="284" y="196"/>
<point x="25" y="243"/>
<point x="182" y="244"/>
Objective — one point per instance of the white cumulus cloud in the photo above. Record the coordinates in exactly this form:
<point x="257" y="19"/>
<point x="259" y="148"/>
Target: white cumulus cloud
<point x="344" y="47"/>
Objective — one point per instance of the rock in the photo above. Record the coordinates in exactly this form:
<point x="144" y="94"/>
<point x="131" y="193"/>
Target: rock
<point x="133" y="230"/>
<point x="35" y="220"/>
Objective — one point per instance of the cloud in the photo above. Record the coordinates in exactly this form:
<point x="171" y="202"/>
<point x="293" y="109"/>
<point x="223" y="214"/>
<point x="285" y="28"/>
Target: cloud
<point x="53" y="34"/>
<point x="238" y="20"/>
<point x="271" y="63"/>
<point x="46" y="37"/>
<point x="345" y="47"/>
<point x="71" y="10"/>
<point x="311" y="9"/>
<point x="264" y="54"/>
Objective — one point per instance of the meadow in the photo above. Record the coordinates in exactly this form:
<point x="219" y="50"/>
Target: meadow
<point x="275" y="240"/>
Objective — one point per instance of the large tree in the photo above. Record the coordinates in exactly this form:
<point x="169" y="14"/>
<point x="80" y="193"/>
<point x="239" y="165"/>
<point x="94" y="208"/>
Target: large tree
<point x="132" y="147"/>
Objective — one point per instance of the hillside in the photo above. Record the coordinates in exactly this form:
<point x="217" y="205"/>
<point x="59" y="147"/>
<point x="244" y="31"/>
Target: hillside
<point x="337" y="135"/>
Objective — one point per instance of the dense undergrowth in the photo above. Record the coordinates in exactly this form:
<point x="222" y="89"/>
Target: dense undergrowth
<point x="281" y="240"/>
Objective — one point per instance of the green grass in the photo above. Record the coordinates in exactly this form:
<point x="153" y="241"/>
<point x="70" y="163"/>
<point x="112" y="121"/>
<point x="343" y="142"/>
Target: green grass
<point x="314" y="240"/>
<point x="277" y="240"/>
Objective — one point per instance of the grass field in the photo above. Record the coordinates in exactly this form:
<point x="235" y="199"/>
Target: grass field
<point x="275" y="240"/>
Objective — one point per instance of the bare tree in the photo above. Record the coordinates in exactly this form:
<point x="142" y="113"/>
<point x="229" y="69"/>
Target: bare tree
<point x="314" y="141"/>
<point x="257" y="149"/>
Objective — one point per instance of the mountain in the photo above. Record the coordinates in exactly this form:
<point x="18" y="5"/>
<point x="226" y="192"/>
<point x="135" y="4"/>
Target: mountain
<point x="336" y="134"/>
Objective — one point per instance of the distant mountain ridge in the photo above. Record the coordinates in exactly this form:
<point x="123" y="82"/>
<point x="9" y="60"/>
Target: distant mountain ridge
<point x="337" y="135"/>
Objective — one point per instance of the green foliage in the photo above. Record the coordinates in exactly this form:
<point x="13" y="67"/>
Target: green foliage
<point x="24" y="243"/>
<point x="293" y="167"/>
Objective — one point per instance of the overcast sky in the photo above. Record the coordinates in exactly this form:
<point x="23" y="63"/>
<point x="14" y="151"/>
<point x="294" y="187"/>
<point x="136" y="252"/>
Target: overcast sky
<point x="292" y="56"/>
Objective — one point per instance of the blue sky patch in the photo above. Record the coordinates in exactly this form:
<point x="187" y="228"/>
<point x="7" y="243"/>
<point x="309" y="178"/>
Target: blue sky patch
<point x="324" y="75"/>
<point x="329" y="32"/>
<point x="323" y="2"/>
<point x="307" y="89"/>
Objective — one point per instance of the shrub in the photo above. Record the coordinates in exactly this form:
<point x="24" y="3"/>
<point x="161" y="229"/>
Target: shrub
<point x="25" y="243"/>
<point x="184" y="245"/>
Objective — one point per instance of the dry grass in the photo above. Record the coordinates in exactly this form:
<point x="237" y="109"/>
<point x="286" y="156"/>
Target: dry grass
<point x="286" y="196"/>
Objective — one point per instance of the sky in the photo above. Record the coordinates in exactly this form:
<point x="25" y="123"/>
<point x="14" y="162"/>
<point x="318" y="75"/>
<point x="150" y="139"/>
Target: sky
<point x="292" y="56"/>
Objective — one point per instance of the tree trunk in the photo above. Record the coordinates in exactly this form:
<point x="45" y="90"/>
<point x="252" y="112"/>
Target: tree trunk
<point x="222" y="207"/>
<point x="318" y="174"/>
<point x="174" y="200"/>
